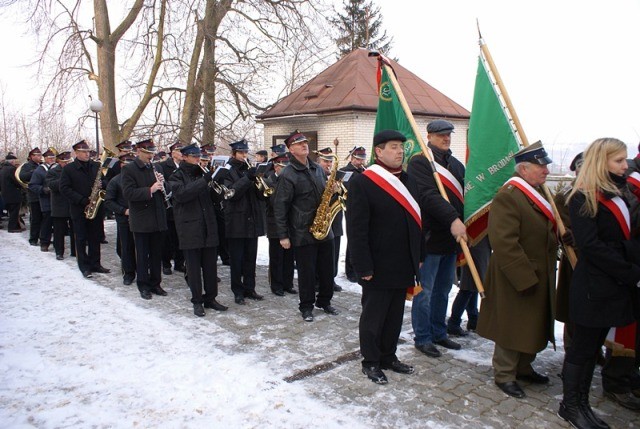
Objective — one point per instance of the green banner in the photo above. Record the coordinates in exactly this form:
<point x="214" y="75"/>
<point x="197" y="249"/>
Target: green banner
<point x="391" y="116"/>
<point x="491" y="146"/>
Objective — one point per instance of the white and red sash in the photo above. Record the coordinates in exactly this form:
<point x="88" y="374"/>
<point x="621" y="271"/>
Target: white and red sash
<point x="450" y="182"/>
<point x="535" y="197"/>
<point x="620" y="211"/>
<point x="396" y="189"/>
<point x="634" y="179"/>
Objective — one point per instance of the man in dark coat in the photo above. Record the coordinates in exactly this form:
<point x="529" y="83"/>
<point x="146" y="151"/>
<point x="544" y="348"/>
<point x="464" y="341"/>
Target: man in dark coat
<point x="244" y="216"/>
<point x="142" y="186"/>
<point x="60" y="214"/>
<point x="76" y="183"/>
<point x="38" y="187"/>
<point x="171" y="249"/>
<point x="11" y="193"/>
<point x="443" y="227"/>
<point x="115" y="202"/>
<point x="35" y="214"/>
<point x="298" y="195"/>
<point x="196" y="224"/>
<point x="357" y="159"/>
<point x="384" y="231"/>
<point x="517" y="313"/>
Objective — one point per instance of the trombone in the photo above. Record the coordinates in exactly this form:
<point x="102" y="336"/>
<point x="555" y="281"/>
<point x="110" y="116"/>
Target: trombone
<point x="219" y="188"/>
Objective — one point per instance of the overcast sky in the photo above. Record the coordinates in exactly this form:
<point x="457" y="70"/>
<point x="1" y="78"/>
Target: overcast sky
<point x="570" y="67"/>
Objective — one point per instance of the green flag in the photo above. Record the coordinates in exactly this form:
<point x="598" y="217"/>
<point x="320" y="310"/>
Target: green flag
<point x="491" y="146"/>
<point x="391" y="116"/>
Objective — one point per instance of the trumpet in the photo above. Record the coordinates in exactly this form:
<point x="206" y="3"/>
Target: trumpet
<point x="261" y="184"/>
<point x="219" y="188"/>
<point x="167" y="196"/>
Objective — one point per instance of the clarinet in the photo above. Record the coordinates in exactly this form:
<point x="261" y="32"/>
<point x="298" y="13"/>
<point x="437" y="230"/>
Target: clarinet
<point x="167" y="197"/>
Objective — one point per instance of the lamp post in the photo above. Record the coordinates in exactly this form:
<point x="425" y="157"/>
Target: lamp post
<point x="96" y="107"/>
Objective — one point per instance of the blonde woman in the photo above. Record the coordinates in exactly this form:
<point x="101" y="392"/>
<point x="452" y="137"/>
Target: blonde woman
<point x="605" y="282"/>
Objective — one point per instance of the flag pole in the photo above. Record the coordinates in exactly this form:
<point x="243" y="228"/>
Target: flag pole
<point x="571" y="254"/>
<point x="436" y="176"/>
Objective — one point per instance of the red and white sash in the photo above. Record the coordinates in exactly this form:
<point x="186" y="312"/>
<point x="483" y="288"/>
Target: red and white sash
<point x="534" y="196"/>
<point x="450" y="181"/>
<point x="634" y="179"/>
<point x="396" y="189"/>
<point x="620" y="211"/>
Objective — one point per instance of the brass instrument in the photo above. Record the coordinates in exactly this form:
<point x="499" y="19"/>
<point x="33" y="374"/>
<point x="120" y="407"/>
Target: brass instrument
<point x="97" y="193"/>
<point x="219" y="188"/>
<point x="25" y="185"/>
<point x="261" y="184"/>
<point x="327" y="210"/>
<point x="166" y="196"/>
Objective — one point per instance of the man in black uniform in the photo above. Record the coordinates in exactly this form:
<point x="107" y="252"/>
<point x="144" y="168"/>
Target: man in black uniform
<point x="35" y="214"/>
<point x="38" y="187"/>
<point x="171" y="249"/>
<point x="60" y="214"/>
<point x="115" y="201"/>
<point x="245" y="221"/>
<point x="76" y="183"/>
<point x="142" y="186"/>
<point x="196" y="224"/>
<point x="11" y="193"/>
<point x="326" y="162"/>
<point x="358" y="156"/>
<point x="384" y="230"/>
<point x="298" y="195"/>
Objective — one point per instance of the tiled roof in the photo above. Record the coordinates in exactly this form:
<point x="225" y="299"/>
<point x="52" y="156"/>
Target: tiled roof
<point x="350" y="84"/>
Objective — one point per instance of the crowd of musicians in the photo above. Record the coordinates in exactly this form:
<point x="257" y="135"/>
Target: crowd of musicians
<point x="184" y="209"/>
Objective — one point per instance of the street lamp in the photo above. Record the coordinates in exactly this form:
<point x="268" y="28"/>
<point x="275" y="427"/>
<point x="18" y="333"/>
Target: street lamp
<point x="96" y="107"/>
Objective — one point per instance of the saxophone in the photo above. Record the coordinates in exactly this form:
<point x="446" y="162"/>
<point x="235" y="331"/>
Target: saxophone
<point x="327" y="211"/>
<point x="97" y="194"/>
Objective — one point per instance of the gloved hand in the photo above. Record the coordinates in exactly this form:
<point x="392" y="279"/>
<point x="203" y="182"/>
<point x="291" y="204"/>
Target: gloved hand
<point x="207" y="176"/>
<point x="567" y="238"/>
<point x="251" y="173"/>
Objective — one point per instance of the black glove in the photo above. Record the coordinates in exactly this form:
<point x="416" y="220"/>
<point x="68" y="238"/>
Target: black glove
<point x="567" y="238"/>
<point x="251" y="173"/>
<point x="208" y="175"/>
<point x="45" y="190"/>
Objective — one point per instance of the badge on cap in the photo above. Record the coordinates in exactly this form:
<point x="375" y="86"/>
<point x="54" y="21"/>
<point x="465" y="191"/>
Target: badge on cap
<point x="533" y="153"/>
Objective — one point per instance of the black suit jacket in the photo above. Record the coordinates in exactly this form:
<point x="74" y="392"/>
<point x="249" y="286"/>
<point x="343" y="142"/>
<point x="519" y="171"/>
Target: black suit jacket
<point x="76" y="183"/>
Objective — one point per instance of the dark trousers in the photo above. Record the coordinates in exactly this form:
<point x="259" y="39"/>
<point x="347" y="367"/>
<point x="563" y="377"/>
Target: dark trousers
<point x="465" y="300"/>
<point x="223" y="248"/>
<point x="315" y="261"/>
<point x="380" y="324"/>
<point x="202" y="269"/>
<point x="14" y="215"/>
<point x="148" y="259"/>
<point x="280" y="266"/>
<point x="127" y="247"/>
<point x="87" y="232"/>
<point x="336" y="255"/>
<point x="35" y="220"/>
<point x="243" y="253"/>
<point x="170" y="248"/>
<point x="348" y="268"/>
<point x="62" y="227"/>
<point x="46" y="228"/>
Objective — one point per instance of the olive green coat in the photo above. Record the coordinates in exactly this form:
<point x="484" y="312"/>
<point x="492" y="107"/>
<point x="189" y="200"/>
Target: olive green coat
<point x="518" y="311"/>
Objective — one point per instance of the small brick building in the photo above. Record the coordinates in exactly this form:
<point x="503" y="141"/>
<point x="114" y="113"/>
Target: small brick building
<point x="340" y="104"/>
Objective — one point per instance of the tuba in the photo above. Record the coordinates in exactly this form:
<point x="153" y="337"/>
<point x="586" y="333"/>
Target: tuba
<point x="327" y="210"/>
<point x="17" y="176"/>
<point x="97" y="193"/>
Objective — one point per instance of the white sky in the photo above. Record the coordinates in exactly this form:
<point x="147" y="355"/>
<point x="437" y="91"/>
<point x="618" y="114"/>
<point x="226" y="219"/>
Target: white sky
<point x="570" y="66"/>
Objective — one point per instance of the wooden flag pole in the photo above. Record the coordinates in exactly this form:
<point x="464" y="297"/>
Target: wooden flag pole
<point x="571" y="254"/>
<point x="436" y="176"/>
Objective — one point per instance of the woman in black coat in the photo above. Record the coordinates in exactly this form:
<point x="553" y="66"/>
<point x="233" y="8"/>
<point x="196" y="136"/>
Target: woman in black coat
<point x="605" y="282"/>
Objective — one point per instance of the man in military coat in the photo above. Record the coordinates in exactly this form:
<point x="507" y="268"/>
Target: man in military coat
<point x="517" y="313"/>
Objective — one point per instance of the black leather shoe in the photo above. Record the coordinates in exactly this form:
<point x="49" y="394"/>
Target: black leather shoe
<point x="253" y="295"/>
<point x="216" y="306"/>
<point x="198" y="310"/>
<point x="218" y="279"/>
<point x="456" y="331"/>
<point x="330" y="309"/>
<point x="59" y="257"/>
<point x="101" y="269"/>
<point x="159" y="291"/>
<point x="44" y="247"/>
<point x="627" y="400"/>
<point x="87" y="274"/>
<point x="33" y="243"/>
<point x="278" y="292"/>
<point x="104" y="242"/>
<point x="146" y="294"/>
<point x="353" y="279"/>
<point x="127" y="281"/>
<point x="448" y="344"/>
<point x="292" y="291"/>
<point x="307" y="315"/>
<point x="239" y="300"/>
<point x="375" y="374"/>
<point x="167" y="271"/>
<point x="534" y="378"/>
<point x="429" y="350"/>
<point x="399" y="367"/>
<point x="337" y="288"/>
<point x="512" y="388"/>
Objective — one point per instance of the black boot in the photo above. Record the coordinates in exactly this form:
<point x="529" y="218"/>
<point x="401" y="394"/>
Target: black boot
<point x="585" y="387"/>
<point x="570" y="409"/>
